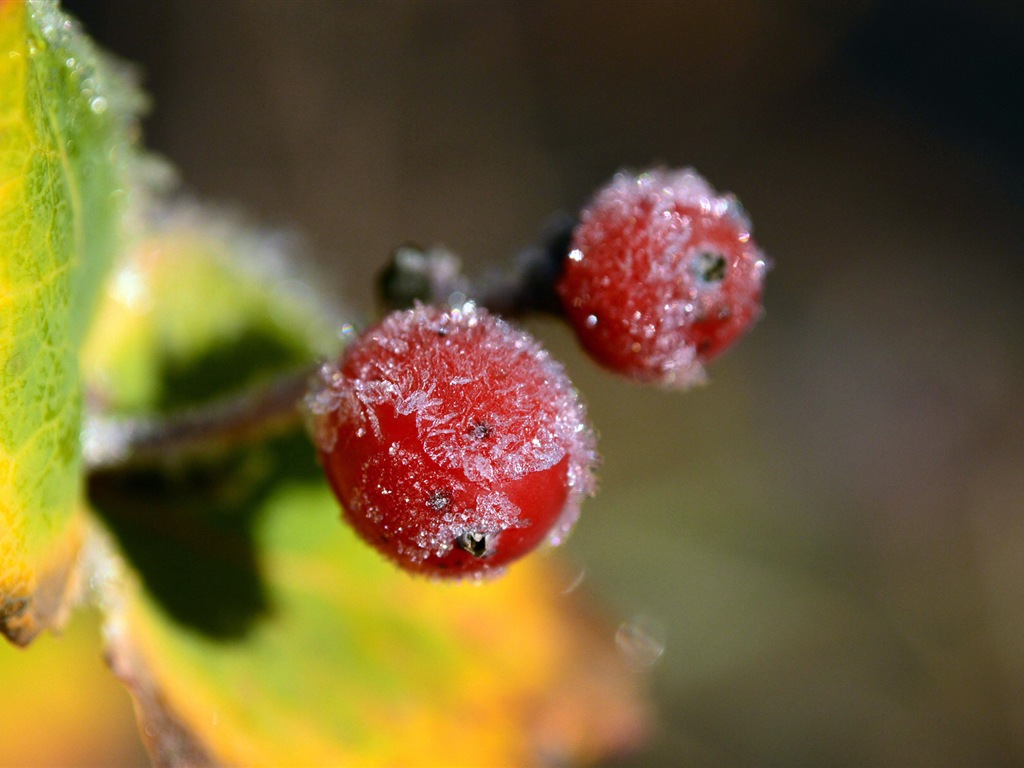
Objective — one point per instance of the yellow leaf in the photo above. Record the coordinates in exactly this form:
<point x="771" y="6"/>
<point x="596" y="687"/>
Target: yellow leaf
<point x="68" y="710"/>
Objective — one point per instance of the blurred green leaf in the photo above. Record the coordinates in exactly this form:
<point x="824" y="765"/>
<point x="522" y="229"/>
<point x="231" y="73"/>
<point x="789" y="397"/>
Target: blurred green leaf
<point x="253" y="627"/>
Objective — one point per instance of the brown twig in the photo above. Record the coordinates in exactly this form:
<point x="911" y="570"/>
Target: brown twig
<point x="111" y="443"/>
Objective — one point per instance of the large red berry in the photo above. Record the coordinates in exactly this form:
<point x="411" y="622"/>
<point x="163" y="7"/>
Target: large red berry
<point x="662" y="275"/>
<point x="454" y="442"/>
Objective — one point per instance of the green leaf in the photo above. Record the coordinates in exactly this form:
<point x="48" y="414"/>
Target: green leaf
<point x="254" y="628"/>
<point x="65" y="119"/>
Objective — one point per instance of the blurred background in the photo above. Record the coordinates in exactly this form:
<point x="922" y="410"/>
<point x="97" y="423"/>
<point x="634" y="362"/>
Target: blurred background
<point x="827" y="542"/>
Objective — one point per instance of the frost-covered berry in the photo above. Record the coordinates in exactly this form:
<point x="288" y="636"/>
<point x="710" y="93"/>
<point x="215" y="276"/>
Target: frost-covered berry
<point x="662" y="275"/>
<point x="454" y="442"/>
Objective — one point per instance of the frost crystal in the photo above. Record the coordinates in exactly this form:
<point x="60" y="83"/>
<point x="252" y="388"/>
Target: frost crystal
<point x="453" y="424"/>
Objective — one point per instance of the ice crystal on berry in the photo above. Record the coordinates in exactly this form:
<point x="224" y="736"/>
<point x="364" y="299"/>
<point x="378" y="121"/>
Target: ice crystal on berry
<point x="453" y="440"/>
<point x="662" y="276"/>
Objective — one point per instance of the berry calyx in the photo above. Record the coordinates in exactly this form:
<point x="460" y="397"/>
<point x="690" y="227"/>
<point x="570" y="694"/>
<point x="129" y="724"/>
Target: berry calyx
<point x="454" y="442"/>
<point x="662" y="276"/>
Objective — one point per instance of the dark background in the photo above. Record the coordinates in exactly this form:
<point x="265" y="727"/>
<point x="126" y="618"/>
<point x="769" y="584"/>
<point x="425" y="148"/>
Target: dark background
<point x="828" y="539"/>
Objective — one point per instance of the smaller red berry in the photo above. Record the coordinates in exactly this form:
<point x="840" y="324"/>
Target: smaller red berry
<point x="662" y="276"/>
<point x="453" y="441"/>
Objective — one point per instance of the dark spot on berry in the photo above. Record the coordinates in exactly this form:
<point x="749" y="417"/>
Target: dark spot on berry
<point x="709" y="266"/>
<point x="440" y="499"/>
<point x="477" y="544"/>
<point x="442" y="332"/>
<point x="481" y="430"/>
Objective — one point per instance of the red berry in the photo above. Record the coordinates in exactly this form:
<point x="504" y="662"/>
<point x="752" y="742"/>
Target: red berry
<point x="454" y="442"/>
<point x="662" y="276"/>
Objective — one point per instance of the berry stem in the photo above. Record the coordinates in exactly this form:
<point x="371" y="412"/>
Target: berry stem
<point x="115" y="443"/>
<point x="434" y="276"/>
